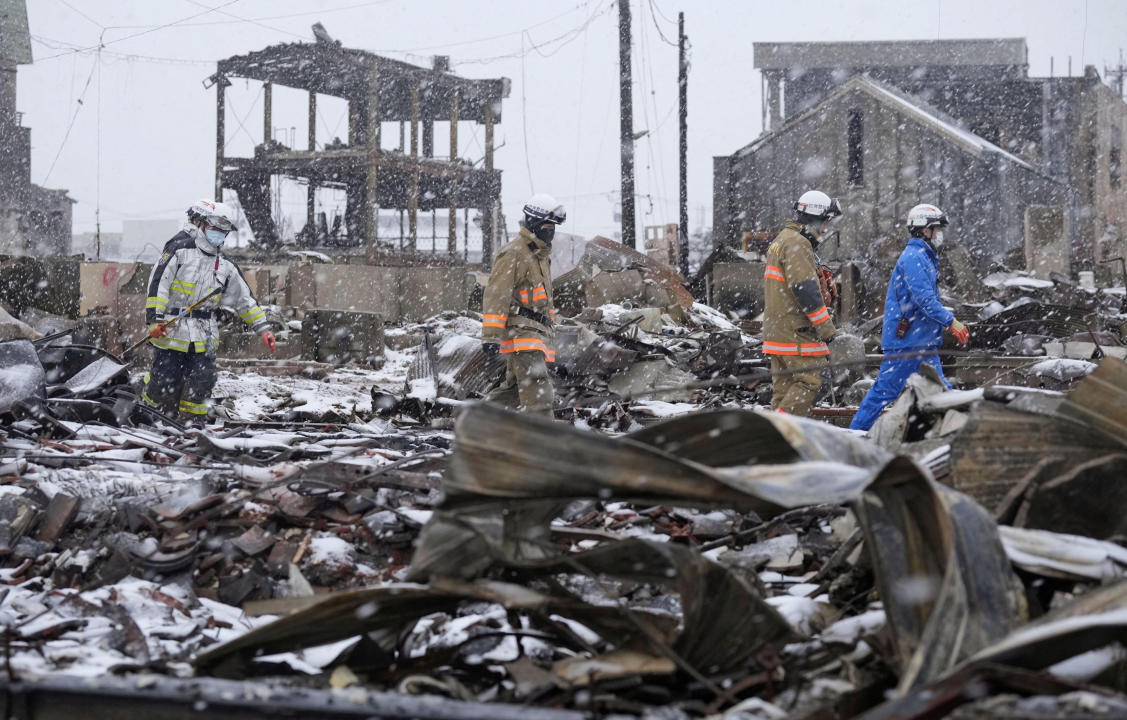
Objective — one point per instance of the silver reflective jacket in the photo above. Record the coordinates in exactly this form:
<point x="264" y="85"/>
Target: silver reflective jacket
<point x="188" y="270"/>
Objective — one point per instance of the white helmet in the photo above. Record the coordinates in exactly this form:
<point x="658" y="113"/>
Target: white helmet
<point x="220" y="216"/>
<point x="925" y="216"/>
<point x="542" y="208"/>
<point x="818" y="205"/>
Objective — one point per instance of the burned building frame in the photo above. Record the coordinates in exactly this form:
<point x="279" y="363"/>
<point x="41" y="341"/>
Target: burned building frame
<point x="377" y="90"/>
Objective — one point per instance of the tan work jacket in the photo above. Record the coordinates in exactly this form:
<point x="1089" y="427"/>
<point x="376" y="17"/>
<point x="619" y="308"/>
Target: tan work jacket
<point x="795" y="318"/>
<point x="517" y="309"/>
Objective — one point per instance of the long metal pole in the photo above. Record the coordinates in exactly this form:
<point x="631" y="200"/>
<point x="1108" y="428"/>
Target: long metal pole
<point x="487" y="229"/>
<point x="626" y="117"/>
<point x="683" y="85"/>
<point x="452" y="236"/>
<point x="311" y="191"/>
<point x="220" y="132"/>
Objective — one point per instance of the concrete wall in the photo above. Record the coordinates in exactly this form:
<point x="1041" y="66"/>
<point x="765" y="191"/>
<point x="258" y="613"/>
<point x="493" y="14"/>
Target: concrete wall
<point x="1106" y="130"/>
<point x="49" y="284"/>
<point x="393" y="292"/>
<point x="1046" y="240"/>
<point x="738" y="287"/>
<point x="100" y="284"/>
<point x="37" y="224"/>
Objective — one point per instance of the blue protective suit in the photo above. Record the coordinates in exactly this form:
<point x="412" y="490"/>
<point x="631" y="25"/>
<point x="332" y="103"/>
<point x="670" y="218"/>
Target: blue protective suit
<point x="913" y="294"/>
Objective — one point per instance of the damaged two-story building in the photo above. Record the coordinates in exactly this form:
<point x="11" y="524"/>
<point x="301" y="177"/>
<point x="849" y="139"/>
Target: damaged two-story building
<point x="1029" y="169"/>
<point x="33" y="220"/>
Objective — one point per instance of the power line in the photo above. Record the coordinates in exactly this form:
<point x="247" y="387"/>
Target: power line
<point x="494" y="37"/>
<point x="563" y="39"/>
<point x="76" y="10"/>
<point x="251" y="21"/>
<point x="653" y="14"/>
<point x="54" y="44"/>
<point x="656" y="168"/>
<point x="579" y="117"/>
<point x="71" y="48"/>
<point x="66" y="135"/>
<point x="524" y="118"/>
<point x="143" y="32"/>
<point x="654" y="6"/>
<point x="265" y="17"/>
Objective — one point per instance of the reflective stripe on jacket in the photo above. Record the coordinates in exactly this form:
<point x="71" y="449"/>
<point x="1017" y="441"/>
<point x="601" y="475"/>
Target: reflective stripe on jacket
<point x="795" y="317"/>
<point x="521" y="279"/>
<point x="189" y="269"/>
<point x="913" y="293"/>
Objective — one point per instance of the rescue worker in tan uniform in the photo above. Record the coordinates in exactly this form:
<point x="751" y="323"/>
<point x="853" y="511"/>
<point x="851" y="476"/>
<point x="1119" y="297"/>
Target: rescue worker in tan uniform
<point x="517" y="311"/>
<point x="796" y="322"/>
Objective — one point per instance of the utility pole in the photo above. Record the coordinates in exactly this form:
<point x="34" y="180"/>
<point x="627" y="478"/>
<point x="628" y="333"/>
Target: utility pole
<point x="683" y="85"/>
<point x="626" y="124"/>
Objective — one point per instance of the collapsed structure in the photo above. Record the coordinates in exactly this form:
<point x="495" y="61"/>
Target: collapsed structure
<point x="727" y="563"/>
<point x="376" y="178"/>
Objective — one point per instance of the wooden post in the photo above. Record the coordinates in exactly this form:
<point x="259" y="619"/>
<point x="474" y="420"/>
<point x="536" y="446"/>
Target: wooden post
<point x="452" y="237"/>
<point x="371" y="198"/>
<point x="626" y="123"/>
<point x="311" y="191"/>
<point x="413" y="191"/>
<point x="487" y="211"/>
<point x="683" y="114"/>
<point x="312" y="121"/>
<point x="220" y="133"/>
<point x="267" y="112"/>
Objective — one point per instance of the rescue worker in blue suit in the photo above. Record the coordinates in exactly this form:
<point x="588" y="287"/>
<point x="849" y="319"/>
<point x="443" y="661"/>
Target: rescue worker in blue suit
<point x="914" y="318"/>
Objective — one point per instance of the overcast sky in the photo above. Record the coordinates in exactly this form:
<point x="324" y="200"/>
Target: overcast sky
<point x="134" y="133"/>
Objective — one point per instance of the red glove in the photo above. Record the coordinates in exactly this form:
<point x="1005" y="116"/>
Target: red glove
<point x="826" y="283"/>
<point x="960" y="332"/>
<point x="157" y="330"/>
<point x="268" y="339"/>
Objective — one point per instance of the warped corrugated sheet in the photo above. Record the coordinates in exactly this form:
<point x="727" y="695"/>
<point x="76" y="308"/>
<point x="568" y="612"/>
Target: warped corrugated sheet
<point x="463" y="369"/>
<point x="1100" y="400"/>
<point x="1001" y="444"/>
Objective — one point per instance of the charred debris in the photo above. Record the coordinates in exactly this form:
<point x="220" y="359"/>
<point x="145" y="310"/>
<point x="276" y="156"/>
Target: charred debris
<point x="356" y="532"/>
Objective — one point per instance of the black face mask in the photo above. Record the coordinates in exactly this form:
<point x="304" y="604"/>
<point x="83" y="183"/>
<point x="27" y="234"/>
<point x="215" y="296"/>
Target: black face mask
<point x="546" y="232"/>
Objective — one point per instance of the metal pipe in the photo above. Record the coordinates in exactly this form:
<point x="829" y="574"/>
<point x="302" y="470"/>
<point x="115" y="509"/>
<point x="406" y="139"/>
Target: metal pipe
<point x="626" y="123"/>
<point x="452" y="191"/>
<point x="413" y="191"/>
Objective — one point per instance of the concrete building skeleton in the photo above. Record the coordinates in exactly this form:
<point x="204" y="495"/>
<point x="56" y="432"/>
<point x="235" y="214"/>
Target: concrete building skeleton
<point x="377" y="90"/>
<point x="34" y="221"/>
<point x="1028" y="168"/>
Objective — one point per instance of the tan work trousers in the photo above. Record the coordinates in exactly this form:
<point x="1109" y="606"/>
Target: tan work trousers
<point x="796" y="381"/>
<point x="527" y="381"/>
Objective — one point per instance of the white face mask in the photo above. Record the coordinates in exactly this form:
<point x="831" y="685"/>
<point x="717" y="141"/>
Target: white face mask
<point x="937" y="239"/>
<point x="215" y="237"/>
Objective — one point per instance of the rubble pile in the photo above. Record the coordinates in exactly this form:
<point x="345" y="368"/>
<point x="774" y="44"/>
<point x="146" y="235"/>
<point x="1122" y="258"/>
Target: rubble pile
<point x="743" y="564"/>
<point x="374" y="533"/>
<point x="631" y="346"/>
<point x="1042" y="333"/>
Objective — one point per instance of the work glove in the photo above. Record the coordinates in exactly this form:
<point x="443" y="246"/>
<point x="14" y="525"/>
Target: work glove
<point x="960" y="332"/>
<point x="157" y="330"/>
<point x="268" y="339"/>
<point x="833" y="337"/>
<point x="827" y="286"/>
<point x="490" y="348"/>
